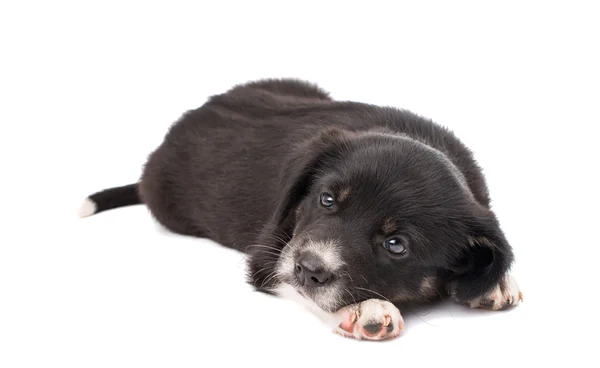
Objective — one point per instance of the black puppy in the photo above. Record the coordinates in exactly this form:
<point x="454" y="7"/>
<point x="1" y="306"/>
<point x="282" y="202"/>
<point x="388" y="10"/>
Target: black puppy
<point x="344" y="206"/>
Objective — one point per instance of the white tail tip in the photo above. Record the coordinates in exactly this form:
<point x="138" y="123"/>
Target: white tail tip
<point x="88" y="208"/>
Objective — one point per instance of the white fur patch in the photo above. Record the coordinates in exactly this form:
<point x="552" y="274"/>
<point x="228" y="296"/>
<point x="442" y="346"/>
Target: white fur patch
<point x="375" y="312"/>
<point x="351" y="320"/>
<point x="87" y="208"/>
<point x="502" y="297"/>
<point x="328" y="252"/>
<point x="288" y="292"/>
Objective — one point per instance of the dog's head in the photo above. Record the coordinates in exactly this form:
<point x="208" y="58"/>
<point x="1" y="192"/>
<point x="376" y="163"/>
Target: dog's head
<point x="377" y="215"/>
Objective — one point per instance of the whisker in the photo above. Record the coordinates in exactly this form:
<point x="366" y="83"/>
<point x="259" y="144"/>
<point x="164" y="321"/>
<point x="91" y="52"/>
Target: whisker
<point x="267" y="265"/>
<point x="419" y="317"/>
<point x="374" y="292"/>
<point x="350" y="277"/>
<point x="265" y="280"/>
<point x="270" y="263"/>
<point x="259" y="271"/>
<point x="268" y="278"/>
<point x="264" y="246"/>
<point x="262" y="251"/>
<point x="278" y="238"/>
<point x="352" y="296"/>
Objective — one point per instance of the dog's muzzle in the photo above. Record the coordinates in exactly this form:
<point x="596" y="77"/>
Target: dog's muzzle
<point x="313" y="268"/>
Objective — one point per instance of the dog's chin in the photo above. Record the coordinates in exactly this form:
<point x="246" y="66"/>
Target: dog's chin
<point x="323" y="301"/>
<point x="327" y="299"/>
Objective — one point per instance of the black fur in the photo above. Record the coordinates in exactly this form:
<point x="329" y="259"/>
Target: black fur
<point x="116" y="197"/>
<point x="249" y="165"/>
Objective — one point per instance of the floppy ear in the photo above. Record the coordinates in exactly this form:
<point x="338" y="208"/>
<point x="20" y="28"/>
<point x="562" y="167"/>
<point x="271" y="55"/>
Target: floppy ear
<point x="295" y="180"/>
<point x="298" y="174"/>
<point x="484" y="263"/>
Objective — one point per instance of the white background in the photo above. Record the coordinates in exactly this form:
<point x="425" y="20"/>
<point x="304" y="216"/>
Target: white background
<point x="87" y="91"/>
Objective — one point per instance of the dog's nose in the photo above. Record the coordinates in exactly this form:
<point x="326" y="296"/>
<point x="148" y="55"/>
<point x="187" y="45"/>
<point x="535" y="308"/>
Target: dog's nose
<point x="311" y="271"/>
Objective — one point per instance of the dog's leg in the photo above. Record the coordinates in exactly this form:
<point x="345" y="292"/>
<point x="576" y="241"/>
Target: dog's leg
<point x="372" y="319"/>
<point x="504" y="295"/>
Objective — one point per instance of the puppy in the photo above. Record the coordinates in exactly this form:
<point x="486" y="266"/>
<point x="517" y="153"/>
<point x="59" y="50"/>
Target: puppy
<point x="350" y="209"/>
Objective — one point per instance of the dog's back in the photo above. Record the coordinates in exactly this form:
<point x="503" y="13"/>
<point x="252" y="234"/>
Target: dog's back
<point x="213" y="173"/>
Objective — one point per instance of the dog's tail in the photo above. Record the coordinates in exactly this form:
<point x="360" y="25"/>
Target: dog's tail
<point x="110" y="198"/>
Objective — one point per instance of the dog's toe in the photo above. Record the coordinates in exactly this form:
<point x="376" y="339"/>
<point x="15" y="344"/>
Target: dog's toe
<point x="503" y="296"/>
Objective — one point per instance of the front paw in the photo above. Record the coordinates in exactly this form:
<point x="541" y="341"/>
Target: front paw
<point x="505" y="295"/>
<point x="371" y="319"/>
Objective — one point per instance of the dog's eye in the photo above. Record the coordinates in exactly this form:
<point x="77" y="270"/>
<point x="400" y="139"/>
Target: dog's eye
<point x="326" y="200"/>
<point x="395" y="245"/>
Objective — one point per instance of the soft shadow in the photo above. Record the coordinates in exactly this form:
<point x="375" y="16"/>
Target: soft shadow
<point x="436" y="314"/>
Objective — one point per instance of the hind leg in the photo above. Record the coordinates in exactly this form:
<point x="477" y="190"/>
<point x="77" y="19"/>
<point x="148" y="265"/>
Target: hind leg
<point x="158" y="191"/>
<point x="505" y="295"/>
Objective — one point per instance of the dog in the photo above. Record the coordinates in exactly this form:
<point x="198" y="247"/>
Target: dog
<point x="351" y="209"/>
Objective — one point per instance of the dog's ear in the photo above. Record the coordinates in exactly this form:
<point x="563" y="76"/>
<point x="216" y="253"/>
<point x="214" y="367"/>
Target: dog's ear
<point x="484" y="261"/>
<point x="300" y="168"/>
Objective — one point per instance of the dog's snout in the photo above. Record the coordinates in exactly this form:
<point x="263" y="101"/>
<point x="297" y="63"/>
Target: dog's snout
<point x="311" y="271"/>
